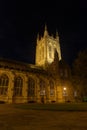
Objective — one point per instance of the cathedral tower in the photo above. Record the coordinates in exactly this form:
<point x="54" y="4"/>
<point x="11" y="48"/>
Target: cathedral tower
<point x="45" y="48"/>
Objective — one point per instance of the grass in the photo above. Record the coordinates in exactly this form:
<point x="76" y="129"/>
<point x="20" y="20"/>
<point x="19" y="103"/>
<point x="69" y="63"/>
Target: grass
<point x="63" y="116"/>
<point x="55" y="107"/>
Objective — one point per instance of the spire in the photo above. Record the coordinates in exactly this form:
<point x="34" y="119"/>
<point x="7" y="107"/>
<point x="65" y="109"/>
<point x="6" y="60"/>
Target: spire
<point x="45" y="31"/>
<point x="37" y="38"/>
<point x="57" y="33"/>
<point x="57" y="36"/>
<point x="45" y="27"/>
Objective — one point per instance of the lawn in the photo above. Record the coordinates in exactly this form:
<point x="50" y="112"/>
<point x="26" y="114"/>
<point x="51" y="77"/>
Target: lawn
<point x="63" y="116"/>
<point x="55" y="107"/>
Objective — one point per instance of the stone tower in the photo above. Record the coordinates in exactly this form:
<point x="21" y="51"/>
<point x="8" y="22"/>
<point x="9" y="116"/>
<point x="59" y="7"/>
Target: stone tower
<point x="45" y="48"/>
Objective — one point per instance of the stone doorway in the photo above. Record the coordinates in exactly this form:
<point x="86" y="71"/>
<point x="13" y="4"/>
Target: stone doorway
<point x="42" y="99"/>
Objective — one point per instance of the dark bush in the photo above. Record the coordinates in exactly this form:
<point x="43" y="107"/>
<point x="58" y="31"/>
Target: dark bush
<point x="68" y="101"/>
<point x="2" y="102"/>
<point x="53" y="101"/>
<point x="31" y="101"/>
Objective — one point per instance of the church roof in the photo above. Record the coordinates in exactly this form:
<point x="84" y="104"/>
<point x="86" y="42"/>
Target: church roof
<point x="21" y="66"/>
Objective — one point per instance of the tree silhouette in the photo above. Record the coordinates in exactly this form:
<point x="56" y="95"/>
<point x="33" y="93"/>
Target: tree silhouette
<point x="80" y="74"/>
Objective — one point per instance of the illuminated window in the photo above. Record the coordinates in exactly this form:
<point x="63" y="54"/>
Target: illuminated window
<point x="66" y="73"/>
<point x="18" y="84"/>
<point x="52" y="88"/>
<point x="4" y="81"/>
<point x="61" y="73"/>
<point x="42" y="87"/>
<point x="31" y="87"/>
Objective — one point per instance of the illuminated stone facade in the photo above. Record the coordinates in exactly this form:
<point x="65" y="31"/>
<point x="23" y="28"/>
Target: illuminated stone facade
<point x="45" y="48"/>
<point x="45" y="82"/>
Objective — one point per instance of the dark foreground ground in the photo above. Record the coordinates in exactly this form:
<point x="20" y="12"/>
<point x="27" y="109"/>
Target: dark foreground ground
<point x="14" y="117"/>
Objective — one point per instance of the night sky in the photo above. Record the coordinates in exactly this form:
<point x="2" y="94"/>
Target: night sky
<point x="20" y="22"/>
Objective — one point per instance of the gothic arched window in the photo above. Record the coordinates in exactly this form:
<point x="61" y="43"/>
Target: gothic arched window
<point x="31" y="87"/>
<point x="4" y="81"/>
<point x="42" y="52"/>
<point x="18" y="84"/>
<point x="42" y="87"/>
<point x="39" y="54"/>
<point x="50" y="52"/>
<point x="52" y="91"/>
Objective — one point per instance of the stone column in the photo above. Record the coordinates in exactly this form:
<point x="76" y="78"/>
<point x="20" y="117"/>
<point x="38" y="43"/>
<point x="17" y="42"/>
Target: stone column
<point x="37" y="91"/>
<point x="10" y="88"/>
<point x="25" y="89"/>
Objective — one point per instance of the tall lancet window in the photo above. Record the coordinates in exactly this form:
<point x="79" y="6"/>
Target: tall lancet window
<point x="31" y="87"/>
<point x="4" y="81"/>
<point x="52" y="91"/>
<point x="42" y="87"/>
<point x="39" y="54"/>
<point x="50" y="52"/>
<point x="18" y="84"/>
<point x="42" y="52"/>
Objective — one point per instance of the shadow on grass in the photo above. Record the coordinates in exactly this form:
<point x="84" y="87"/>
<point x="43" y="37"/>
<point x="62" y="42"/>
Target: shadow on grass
<point x="54" y="107"/>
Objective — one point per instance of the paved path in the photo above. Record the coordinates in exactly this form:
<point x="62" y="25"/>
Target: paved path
<point x="12" y="118"/>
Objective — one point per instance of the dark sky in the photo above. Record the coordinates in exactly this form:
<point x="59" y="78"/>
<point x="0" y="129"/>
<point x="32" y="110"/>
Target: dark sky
<point x="20" y="22"/>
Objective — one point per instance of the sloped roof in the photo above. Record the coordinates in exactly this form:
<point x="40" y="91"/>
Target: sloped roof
<point x="21" y="66"/>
